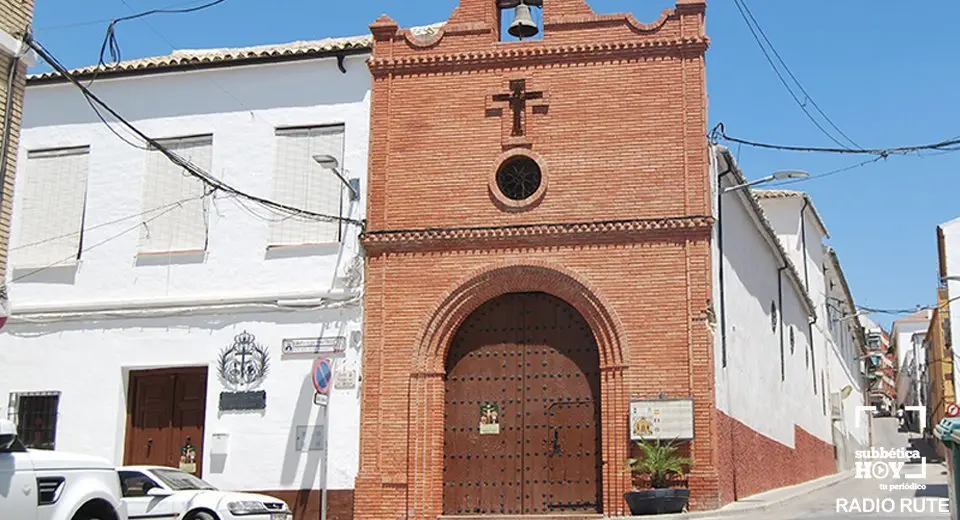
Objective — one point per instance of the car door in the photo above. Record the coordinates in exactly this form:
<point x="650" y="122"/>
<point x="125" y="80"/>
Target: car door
<point x="140" y="505"/>
<point x="18" y="485"/>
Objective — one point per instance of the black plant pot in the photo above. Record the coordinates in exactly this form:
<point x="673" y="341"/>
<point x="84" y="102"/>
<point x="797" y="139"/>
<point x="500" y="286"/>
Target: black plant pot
<point x="657" y="501"/>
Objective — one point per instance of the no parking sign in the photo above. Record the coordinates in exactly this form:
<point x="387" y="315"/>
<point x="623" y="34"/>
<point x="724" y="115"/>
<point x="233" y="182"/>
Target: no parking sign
<point x="953" y="410"/>
<point x="322" y="375"/>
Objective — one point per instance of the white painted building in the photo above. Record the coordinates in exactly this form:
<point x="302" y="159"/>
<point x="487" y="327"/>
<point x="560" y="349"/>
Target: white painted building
<point x="788" y="344"/>
<point x="908" y="335"/>
<point x="769" y="374"/>
<point x="836" y="329"/>
<point x="130" y="282"/>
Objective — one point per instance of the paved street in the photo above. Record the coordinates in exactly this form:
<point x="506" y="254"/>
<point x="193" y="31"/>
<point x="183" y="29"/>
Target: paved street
<point x="875" y="497"/>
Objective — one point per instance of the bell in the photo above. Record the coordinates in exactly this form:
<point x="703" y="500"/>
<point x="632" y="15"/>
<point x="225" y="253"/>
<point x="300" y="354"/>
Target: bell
<point x="523" y="25"/>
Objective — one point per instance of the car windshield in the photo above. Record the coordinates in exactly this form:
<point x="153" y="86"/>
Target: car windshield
<point x="180" y="481"/>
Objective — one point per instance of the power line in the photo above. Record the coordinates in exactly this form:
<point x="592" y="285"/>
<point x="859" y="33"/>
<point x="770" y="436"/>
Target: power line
<point x="872" y="310"/>
<point x="110" y="40"/>
<point x="98" y="226"/>
<point x="102" y="20"/>
<point x="743" y="14"/>
<point x="719" y="131"/>
<point x="192" y="64"/>
<point x="831" y="172"/>
<point x="190" y="168"/>
<point x="806" y="95"/>
<point x="94" y="246"/>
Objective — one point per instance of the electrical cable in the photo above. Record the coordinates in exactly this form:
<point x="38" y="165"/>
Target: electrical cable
<point x="110" y="40"/>
<point x="98" y="226"/>
<point x="782" y="79"/>
<point x="829" y="173"/>
<point x="196" y="66"/>
<point x="102" y="20"/>
<point x="807" y="96"/>
<point x="189" y="167"/>
<point x="94" y="246"/>
<point x="719" y="131"/>
<point x="872" y="310"/>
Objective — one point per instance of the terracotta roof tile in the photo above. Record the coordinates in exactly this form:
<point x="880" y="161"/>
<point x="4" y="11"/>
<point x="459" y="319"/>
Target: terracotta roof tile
<point x="180" y="58"/>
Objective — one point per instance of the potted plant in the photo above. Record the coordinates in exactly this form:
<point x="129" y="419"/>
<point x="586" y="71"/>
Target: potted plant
<point x="661" y="464"/>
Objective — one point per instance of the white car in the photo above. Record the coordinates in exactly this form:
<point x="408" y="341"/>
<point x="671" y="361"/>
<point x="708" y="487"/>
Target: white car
<point x="161" y="493"/>
<point x="55" y="485"/>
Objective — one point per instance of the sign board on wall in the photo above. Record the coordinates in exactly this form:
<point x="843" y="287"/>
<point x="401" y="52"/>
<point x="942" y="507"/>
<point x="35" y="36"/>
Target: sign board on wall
<point x="302" y="348"/>
<point x="661" y="419"/>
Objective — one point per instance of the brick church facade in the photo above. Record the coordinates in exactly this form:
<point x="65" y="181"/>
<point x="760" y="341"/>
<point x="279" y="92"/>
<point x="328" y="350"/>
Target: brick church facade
<point x="539" y="255"/>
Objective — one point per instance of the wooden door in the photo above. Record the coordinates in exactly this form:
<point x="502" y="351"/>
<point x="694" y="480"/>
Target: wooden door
<point x="533" y="359"/>
<point x="165" y="408"/>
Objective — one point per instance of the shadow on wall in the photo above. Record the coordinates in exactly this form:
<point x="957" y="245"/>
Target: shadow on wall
<point x="292" y="457"/>
<point x="210" y="91"/>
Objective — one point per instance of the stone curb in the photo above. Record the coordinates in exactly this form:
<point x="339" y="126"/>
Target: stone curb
<point x="736" y="508"/>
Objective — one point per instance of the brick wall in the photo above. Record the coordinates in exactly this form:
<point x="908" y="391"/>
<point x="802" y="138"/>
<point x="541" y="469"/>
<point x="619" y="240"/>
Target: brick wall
<point x="15" y="18"/>
<point x="620" y="231"/>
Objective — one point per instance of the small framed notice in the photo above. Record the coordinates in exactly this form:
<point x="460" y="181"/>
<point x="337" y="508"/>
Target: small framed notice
<point x="661" y="419"/>
<point x="489" y="419"/>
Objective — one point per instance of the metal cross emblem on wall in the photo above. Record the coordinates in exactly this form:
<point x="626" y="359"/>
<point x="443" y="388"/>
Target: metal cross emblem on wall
<point x="517" y="100"/>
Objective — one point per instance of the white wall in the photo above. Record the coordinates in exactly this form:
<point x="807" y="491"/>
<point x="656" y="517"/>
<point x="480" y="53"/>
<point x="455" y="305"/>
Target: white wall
<point x="242" y="122"/>
<point x="88" y="358"/>
<point x="836" y="345"/>
<point x="89" y="364"/>
<point x="750" y="388"/>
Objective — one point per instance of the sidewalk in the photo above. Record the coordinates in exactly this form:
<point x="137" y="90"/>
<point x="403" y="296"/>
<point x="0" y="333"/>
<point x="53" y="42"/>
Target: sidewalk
<point x="758" y="502"/>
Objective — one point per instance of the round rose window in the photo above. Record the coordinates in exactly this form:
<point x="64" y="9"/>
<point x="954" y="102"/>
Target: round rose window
<point x="519" y="178"/>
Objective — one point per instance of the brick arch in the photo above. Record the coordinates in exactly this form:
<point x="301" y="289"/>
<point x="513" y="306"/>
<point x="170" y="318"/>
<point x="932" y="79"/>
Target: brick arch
<point x="491" y="281"/>
<point x="426" y="386"/>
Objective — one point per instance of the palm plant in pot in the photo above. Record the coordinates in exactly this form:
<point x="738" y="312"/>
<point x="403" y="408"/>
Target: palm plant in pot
<point x="661" y="464"/>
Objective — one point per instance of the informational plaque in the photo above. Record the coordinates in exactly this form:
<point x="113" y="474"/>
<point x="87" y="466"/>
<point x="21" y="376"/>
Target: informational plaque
<point x="661" y="419"/>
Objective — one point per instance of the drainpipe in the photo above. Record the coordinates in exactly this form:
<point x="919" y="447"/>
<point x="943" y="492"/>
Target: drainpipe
<point x="806" y="283"/>
<point x="803" y="242"/>
<point x="783" y="373"/>
<point x="723" y="327"/>
<point x="723" y="303"/>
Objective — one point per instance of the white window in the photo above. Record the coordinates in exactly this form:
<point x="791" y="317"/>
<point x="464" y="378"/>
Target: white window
<point x="175" y="210"/>
<point x="52" y="209"/>
<point x="300" y="182"/>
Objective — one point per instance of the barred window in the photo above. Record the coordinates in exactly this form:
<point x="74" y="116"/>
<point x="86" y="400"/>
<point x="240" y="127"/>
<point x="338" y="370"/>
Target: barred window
<point x="36" y="416"/>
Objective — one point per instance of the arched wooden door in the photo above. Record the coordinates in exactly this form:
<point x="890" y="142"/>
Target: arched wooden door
<point x="522" y="410"/>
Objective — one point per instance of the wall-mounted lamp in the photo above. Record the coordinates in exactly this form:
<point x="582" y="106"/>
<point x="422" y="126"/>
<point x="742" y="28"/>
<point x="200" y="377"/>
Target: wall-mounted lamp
<point x="330" y="162"/>
<point x="777" y="176"/>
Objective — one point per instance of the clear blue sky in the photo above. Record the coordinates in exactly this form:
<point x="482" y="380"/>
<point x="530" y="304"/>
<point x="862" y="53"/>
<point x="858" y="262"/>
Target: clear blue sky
<point x="885" y="71"/>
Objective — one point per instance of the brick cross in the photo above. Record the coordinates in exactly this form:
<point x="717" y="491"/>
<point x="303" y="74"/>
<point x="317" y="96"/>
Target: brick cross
<point x="517" y="100"/>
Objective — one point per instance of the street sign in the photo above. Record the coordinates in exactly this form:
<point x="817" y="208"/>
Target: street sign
<point x="953" y="410"/>
<point x="322" y="375"/>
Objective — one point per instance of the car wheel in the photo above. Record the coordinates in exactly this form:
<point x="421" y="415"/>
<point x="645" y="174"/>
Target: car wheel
<point x="202" y="515"/>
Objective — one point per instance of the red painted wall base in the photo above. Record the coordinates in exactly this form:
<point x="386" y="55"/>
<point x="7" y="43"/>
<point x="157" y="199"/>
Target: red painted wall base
<point x="762" y="463"/>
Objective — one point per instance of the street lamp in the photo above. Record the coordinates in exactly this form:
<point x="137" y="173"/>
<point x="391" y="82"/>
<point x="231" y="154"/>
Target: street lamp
<point x="777" y="176"/>
<point x="330" y="162"/>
